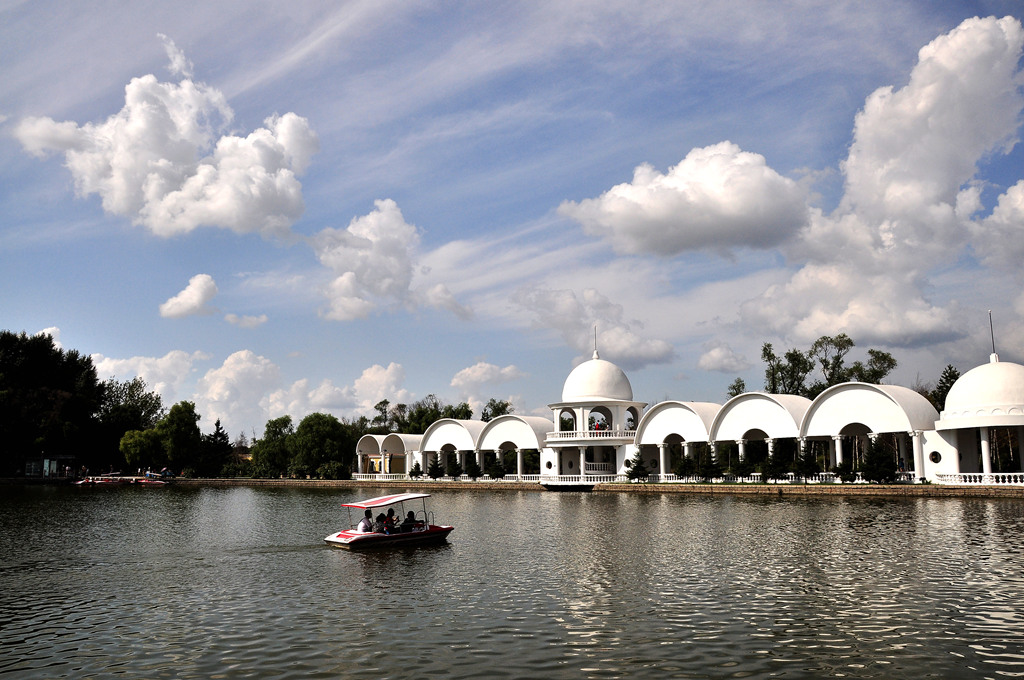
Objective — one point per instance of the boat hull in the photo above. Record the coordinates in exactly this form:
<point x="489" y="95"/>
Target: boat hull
<point x="353" y="540"/>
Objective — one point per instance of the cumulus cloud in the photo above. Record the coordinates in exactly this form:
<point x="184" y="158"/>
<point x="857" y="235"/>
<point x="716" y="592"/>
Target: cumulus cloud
<point x="719" y="356"/>
<point x="164" y="375"/>
<point x="910" y="187"/>
<point x="245" y="321"/>
<point x="483" y="373"/>
<point x="574" y="318"/>
<point x="192" y="300"/>
<point x="378" y="382"/>
<point x="299" y="400"/>
<point x="718" y="197"/>
<point x="230" y="393"/>
<point x="54" y="334"/>
<point x="163" y="162"/>
<point x="373" y="261"/>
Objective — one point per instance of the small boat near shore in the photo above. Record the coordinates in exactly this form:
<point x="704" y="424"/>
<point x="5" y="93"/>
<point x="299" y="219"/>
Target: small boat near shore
<point x="413" y="527"/>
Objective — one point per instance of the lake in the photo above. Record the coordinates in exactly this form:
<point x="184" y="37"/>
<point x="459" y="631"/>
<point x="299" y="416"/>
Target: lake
<point x="204" y="582"/>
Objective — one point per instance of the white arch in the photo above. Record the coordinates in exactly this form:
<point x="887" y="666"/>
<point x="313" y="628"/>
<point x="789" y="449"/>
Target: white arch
<point x="398" y="444"/>
<point x="882" y="408"/>
<point x="460" y="434"/>
<point x="777" y="415"/>
<point x="526" y="432"/>
<point x="691" y="420"/>
<point x="369" y="444"/>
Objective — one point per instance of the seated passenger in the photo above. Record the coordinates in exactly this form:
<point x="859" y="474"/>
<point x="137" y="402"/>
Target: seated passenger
<point x="389" y="521"/>
<point x="409" y="522"/>
<point x="366" y="523"/>
<point x="381" y="525"/>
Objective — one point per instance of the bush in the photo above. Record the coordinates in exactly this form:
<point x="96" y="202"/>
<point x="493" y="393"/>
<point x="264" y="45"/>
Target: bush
<point x="845" y="472"/>
<point x="636" y="470"/>
<point x="416" y="472"/>
<point x="473" y="470"/>
<point x="434" y="470"/>
<point x="333" y="469"/>
<point x="454" y="468"/>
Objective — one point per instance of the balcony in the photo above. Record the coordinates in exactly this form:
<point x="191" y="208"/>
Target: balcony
<point x="566" y="436"/>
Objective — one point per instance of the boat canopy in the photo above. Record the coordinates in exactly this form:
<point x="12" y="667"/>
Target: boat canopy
<point x="381" y="501"/>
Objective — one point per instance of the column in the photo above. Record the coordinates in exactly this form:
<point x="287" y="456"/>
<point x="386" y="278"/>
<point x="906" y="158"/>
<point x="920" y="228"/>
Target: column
<point x="688" y="449"/>
<point x="663" y="460"/>
<point x="520" y="463"/>
<point x="918" y="440"/>
<point x="480" y="459"/>
<point x="837" y="449"/>
<point x="901" y="452"/>
<point x="583" y="460"/>
<point x="741" y="444"/>
<point x="986" y="454"/>
<point x="361" y="467"/>
<point x="713" y="446"/>
<point x="771" y="447"/>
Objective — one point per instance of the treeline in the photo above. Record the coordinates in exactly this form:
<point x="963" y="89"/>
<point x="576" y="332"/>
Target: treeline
<point x="793" y="371"/>
<point x="54" y="408"/>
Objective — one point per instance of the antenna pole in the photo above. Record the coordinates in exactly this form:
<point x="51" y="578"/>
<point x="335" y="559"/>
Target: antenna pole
<point x="991" y="331"/>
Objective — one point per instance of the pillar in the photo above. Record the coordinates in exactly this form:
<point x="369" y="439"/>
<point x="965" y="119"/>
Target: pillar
<point x="688" y="449"/>
<point x="836" y="449"/>
<point x="713" y="450"/>
<point x="480" y="458"/>
<point x="771" y="447"/>
<point x="986" y="454"/>
<point x="583" y="460"/>
<point x="741" y="444"/>
<point x="663" y="460"/>
<point x="520" y="463"/>
<point x="918" y="440"/>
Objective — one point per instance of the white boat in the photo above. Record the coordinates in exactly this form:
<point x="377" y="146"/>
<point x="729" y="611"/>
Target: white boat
<point x="412" y="527"/>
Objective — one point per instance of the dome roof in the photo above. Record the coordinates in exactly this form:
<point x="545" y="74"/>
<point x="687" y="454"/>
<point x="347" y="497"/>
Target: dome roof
<point x="597" y="380"/>
<point x="992" y="390"/>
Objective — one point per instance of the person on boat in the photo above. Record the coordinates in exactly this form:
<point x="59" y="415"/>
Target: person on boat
<point x="409" y="522"/>
<point x="366" y="523"/>
<point x="389" y="521"/>
<point x="381" y="525"/>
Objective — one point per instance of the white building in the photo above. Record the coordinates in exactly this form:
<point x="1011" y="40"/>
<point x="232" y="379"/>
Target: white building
<point x="597" y="427"/>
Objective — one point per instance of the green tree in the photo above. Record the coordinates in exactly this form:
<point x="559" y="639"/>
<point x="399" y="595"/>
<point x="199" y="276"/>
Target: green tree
<point x="949" y="376"/>
<point x="461" y="411"/>
<point x="179" y="431"/>
<point x="143" y="449"/>
<point x="272" y="454"/>
<point x="879" y="365"/>
<point x="786" y="374"/>
<point x="636" y="470"/>
<point x="830" y="352"/>
<point x="318" y="439"/>
<point x="454" y="469"/>
<point x="737" y="387"/>
<point x="416" y="472"/>
<point x="49" y="399"/>
<point x="473" y="470"/>
<point x="435" y="470"/>
<point x="126" y="406"/>
<point x="495" y="408"/>
<point x="214" y="452"/>
<point x="878" y="466"/>
<point x="806" y="462"/>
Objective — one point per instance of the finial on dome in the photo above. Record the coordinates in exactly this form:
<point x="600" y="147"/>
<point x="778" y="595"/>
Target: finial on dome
<point x="595" y="343"/>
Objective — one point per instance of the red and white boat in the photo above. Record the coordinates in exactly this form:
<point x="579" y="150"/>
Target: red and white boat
<point x="412" y="527"/>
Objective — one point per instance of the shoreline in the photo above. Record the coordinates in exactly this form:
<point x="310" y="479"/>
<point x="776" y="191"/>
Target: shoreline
<point x="774" y="490"/>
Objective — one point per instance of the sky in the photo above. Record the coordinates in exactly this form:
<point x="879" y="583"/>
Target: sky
<point x="281" y="208"/>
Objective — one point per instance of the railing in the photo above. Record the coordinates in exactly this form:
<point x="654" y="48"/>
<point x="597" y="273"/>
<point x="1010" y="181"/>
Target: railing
<point x="593" y="434"/>
<point x="380" y="477"/>
<point x="599" y="468"/>
<point x="973" y="478"/>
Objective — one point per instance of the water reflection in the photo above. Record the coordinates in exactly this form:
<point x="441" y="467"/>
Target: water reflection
<point x="236" y="582"/>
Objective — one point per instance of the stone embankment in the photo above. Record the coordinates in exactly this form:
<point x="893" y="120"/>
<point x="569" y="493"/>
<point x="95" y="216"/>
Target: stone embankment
<point x="904" y="490"/>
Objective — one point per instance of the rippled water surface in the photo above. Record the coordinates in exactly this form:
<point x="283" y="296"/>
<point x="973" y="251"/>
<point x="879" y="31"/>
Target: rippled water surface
<point x="237" y="583"/>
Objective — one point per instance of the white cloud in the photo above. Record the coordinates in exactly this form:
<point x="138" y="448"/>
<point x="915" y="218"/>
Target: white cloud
<point x="54" y="334"/>
<point x="179" y="63"/>
<point x="160" y="162"/>
<point x="164" y="375"/>
<point x="718" y="198"/>
<point x="245" y="321"/>
<point x="867" y="265"/>
<point x="192" y="300"/>
<point x="719" y="356"/>
<point x="999" y="238"/>
<point x="377" y="383"/>
<point x="232" y="392"/>
<point x="574" y="318"/>
<point x="483" y="373"/>
<point x="373" y="263"/>
<point x="299" y="400"/>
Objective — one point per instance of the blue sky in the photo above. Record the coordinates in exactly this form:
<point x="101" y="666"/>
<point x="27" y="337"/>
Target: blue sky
<point x="275" y="210"/>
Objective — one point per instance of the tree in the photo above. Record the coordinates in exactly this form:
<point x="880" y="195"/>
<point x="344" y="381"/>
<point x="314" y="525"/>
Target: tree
<point x="635" y="468"/>
<point x="143" y="449"/>
<point x="416" y="472"/>
<point x="380" y="421"/>
<point x="878" y="466"/>
<point x="495" y="408"/>
<point x="787" y="374"/>
<point x="214" y="452"/>
<point x="461" y="411"/>
<point x="272" y="454"/>
<point x="49" y="399"/>
<point x="318" y="440"/>
<point x="435" y="470"/>
<point x="806" y="462"/>
<point x="737" y="387"/>
<point x="179" y="431"/>
<point x="454" y="469"/>
<point x="830" y="352"/>
<point x="473" y="470"/>
<point x="949" y="376"/>
<point x="879" y="365"/>
<point x="126" y="406"/>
